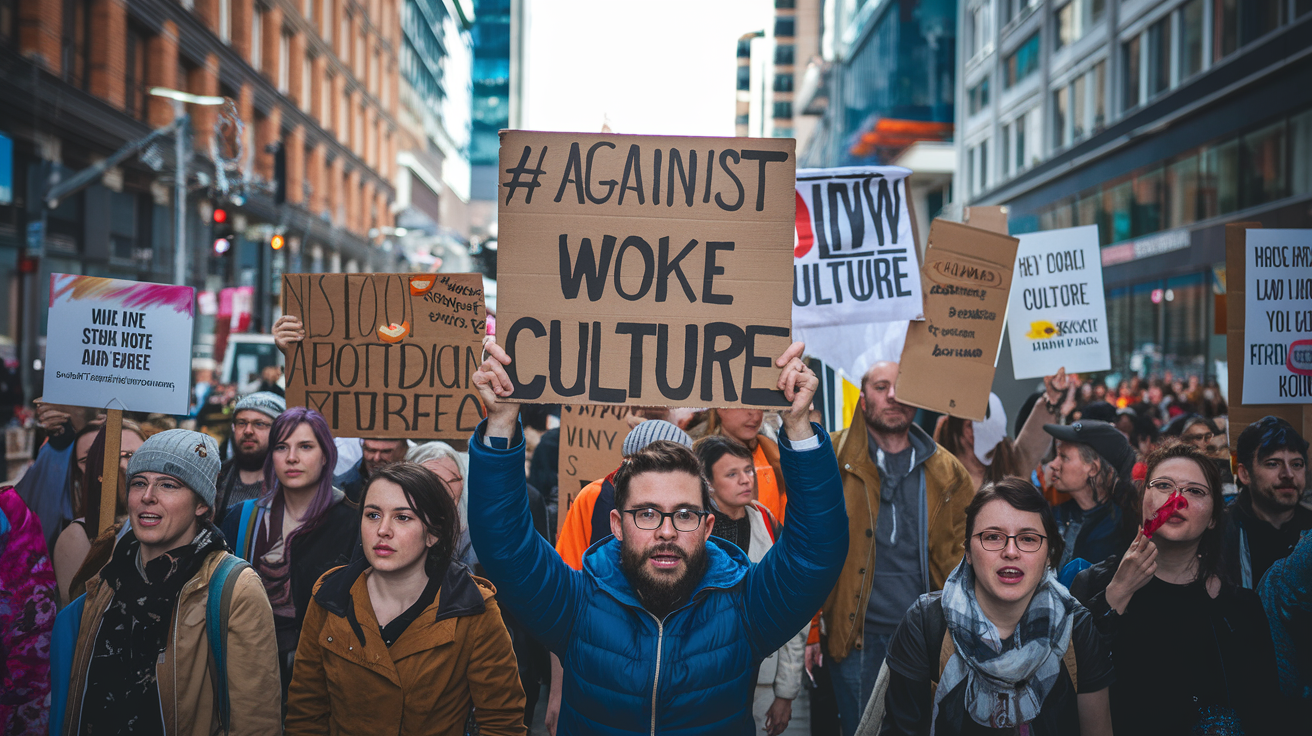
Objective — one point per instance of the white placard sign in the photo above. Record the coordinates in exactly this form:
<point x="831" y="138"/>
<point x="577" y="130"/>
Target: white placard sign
<point x="119" y="344"/>
<point x="1057" y="314"/>
<point x="1278" y="317"/>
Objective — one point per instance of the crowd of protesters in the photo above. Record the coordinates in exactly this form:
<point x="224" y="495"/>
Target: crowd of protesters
<point x="1098" y="565"/>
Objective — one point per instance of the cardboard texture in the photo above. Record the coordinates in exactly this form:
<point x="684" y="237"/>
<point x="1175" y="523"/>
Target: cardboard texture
<point x="993" y="219"/>
<point x="1278" y="321"/>
<point x="591" y="442"/>
<point x="369" y="379"/>
<point x="612" y="291"/>
<point x="948" y="361"/>
<point x="1242" y="414"/>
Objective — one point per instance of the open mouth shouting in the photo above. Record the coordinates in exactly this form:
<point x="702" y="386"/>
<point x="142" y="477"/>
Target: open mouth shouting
<point x="1010" y="575"/>
<point x="666" y="557"/>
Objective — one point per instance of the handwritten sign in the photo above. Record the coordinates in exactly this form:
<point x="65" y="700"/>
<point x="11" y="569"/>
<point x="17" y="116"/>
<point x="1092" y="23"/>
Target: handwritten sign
<point x="855" y="258"/>
<point x="120" y="343"/>
<point x="1057" y="315"/>
<point x="948" y="360"/>
<point x="591" y="444"/>
<point x="1278" y="317"/>
<point x="387" y="355"/>
<point x="645" y="269"/>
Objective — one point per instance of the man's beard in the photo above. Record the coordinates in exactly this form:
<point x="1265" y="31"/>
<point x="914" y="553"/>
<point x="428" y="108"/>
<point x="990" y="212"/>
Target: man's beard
<point x="662" y="594"/>
<point x="875" y="421"/>
<point x="1268" y="499"/>
<point x="248" y="461"/>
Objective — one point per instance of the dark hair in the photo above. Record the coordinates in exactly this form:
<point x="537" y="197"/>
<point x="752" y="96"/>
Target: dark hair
<point x="712" y="448"/>
<point x="282" y="428"/>
<point x="1266" y="436"/>
<point x="1005" y="460"/>
<point x="1021" y="495"/>
<point x="431" y="501"/>
<point x="661" y="456"/>
<point x="1209" y="545"/>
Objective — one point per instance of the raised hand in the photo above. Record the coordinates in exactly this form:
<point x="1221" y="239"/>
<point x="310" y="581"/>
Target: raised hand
<point x="493" y="385"/>
<point x="799" y="384"/>
<point x="1137" y="567"/>
<point x="287" y="330"/>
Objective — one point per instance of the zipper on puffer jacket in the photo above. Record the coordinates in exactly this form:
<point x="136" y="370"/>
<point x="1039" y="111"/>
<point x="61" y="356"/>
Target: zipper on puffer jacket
<point x="656" y="681"/>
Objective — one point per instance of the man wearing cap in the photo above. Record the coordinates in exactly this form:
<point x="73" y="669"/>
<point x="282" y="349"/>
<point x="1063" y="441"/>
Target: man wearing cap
<point x="242" y="477"/>
<point x="1093" y="464"/>
<point x="141" y="664"/>
<point x="1265" y="520"/>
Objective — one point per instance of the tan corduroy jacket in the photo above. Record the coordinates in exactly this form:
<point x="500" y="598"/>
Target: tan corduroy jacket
<point x="186" y="686"/>
<point x="948" y="490"/>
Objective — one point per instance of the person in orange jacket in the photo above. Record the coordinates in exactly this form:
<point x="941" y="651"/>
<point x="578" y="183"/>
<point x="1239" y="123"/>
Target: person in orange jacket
<point x="744" y="427"/>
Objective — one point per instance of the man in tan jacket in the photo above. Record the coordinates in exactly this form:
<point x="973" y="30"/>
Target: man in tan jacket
<point x="906" y="509"/>
<point x="142" y="660"/>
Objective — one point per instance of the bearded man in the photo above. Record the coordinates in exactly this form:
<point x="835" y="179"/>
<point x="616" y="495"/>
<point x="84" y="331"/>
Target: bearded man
<point x="242" y="477"/>
<point x="1266" y="519"/>
<point x="906" y="507"/>
<point x="664" y="628"/>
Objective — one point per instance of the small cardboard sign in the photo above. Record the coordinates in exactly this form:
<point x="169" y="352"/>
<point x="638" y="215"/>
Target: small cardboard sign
<point x="387" y="355"/>
<point x="948" y="360"/>
<point x="645" y="269"/>
<point x="124" y="344"/>
<point x="591" y="442"/>
<point x="855" y="259"/>
<point x="1057" y="315"/>
<point x="1278" y="317"/>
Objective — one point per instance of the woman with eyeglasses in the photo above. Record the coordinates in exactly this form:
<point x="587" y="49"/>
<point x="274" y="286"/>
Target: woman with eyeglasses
<point x="1003" y="648"/>
<point x="1193" y="652"/>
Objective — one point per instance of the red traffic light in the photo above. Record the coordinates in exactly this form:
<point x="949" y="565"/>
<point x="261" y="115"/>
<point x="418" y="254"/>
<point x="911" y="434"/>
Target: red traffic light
<point x="276" y="242"/>
<point x="220" y="215"/>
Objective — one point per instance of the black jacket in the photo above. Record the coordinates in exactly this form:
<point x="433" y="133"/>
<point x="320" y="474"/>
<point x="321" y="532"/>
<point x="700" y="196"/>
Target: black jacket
<point x="1241" y="527"/>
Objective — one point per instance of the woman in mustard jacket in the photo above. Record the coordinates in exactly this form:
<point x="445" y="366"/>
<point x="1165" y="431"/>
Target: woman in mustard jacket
<point x="405" y="640"/>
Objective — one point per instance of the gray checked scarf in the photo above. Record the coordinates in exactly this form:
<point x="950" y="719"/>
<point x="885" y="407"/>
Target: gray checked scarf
<point x="1004" y="689"/>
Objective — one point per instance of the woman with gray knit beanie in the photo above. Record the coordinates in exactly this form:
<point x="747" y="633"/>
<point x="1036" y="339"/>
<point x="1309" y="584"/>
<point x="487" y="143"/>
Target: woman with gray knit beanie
<point x="141" y="664"/>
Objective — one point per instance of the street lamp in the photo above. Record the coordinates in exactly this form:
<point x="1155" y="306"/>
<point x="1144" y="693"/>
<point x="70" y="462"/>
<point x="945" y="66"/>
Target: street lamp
<point x="180" y="176"/>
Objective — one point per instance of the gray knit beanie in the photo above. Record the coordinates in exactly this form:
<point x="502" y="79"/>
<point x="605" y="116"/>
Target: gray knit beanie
<point x="651" y="431"/>
<point x="191" y="457"/>
<point x="265" y="402"/>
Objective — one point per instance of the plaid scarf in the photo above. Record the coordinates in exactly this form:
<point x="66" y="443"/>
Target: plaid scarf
<point x="1004" y="689"/>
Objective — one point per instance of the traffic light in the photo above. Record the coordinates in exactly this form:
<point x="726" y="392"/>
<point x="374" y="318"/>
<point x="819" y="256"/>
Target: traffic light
<point x="276" y="242"/>
<point x="222" y="230"/>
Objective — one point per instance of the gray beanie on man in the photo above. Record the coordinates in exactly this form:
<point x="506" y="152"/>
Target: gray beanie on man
<point x="265" y="402"/>
<point x="651" y="431"/>
<point x="191" y="457"/>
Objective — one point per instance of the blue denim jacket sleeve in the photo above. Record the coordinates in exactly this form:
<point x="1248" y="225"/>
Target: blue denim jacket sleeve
<point x="530" y="577"/>
<point x="791" y="582"/>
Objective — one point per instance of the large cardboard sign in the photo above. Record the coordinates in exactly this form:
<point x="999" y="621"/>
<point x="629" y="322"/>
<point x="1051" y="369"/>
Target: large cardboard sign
<point x="948" y="360"/>
<point x="645" y="269"/>
<point x="1278" y="317"/>
<point x="124" y="344"/>
<point x="591" y="442"/>
<point x="855" y="258"/>
<point x="1057" y="315"/>
<point x="387" y="355"/>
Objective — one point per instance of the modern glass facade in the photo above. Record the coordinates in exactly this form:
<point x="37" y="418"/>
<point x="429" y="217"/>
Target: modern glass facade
<point x="491" y="79"/>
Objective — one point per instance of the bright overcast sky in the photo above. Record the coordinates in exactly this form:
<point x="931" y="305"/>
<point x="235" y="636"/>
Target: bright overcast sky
<point x="664" y="67"/>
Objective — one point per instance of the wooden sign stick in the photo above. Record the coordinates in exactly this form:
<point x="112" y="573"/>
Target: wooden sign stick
<point x="109" y="474"/>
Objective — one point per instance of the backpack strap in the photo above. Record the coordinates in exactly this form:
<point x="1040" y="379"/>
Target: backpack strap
<point x="246" y="528"/>
<point x="949" y="648"/>
<point x="217" y="609"/>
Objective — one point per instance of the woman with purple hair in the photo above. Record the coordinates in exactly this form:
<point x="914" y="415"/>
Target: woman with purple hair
<point x="299" y="528"/>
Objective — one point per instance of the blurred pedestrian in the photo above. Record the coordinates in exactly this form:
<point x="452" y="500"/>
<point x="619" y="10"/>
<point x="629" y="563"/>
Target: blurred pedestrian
<point x="1266" y="519"/>
<point x="242" y="476"/>
<point x="374" y="454"/>
<point x="1093" y="465"/>
<point x="744" y="427"/>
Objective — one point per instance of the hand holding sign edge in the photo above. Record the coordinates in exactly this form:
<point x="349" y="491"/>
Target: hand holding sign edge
<point x="799" y="384"/>
<point x="493" y="384"/>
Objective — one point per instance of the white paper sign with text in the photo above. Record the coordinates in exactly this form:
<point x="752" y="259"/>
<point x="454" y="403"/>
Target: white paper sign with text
<point x="1057" y="314"/>
<point x="119" y="344"/>
<point x="1278" y="317"/>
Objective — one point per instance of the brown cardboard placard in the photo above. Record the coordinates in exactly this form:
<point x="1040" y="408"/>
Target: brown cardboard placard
<point x="613" y="291"/>
<point x="591" y="439"/>
<point x="1242" y="414"/>
<point x="370" y="381"/>
<point x="948" y="361"/>
<point x="993" y="218"/>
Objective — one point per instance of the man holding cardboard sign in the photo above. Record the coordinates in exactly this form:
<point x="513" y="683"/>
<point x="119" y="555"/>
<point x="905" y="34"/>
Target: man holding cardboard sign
<point x="662" y="593"/>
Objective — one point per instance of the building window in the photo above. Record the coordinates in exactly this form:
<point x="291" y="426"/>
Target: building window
<point x="225" y="21"/>
<point x="325" y="100"/>
<point x="1191" y="39"/>
<point x="344" y="38"/>
<point x="784" y="4"/>
<point x="1130" y="73"/>
<point x="783" y="54"/>
<point x="1012" y="9"/>
<point x="1159" y="57"/>
<point x="744" y="78"/>
<point x="134" y="84"/>
<point x="784" y="26"/>
<point x="77" y="42"/>
<point x="1060" y="116"/>
<point x="977" y="167"/>
<point x="783" y="110"/>
<point x="307" y="82"/>
<point x="741" y="120"/>
<point x="326" y="21"/>
<point x="1077" y="18"/>
<point x="979" y="29"/>
<point x="978" y="96"/>
<point x="1024" y="61"/>
<point x="284" y="61"/>
<point x="1099" y="96"/>
<point x="783" y="83"/>
<point x="307" y="8"/>
<point x="1078" y="108"/>
<point x="744" y="48"/>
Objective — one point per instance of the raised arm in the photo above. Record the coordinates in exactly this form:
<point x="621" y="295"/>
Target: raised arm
<point x="793" y="579"/>
<point x="531" y="579"/>
<point x="1032" y="443"/>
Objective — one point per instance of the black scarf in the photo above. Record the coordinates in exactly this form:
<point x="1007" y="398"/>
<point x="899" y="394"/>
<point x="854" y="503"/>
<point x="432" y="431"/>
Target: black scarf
<point x="122" y="696"/>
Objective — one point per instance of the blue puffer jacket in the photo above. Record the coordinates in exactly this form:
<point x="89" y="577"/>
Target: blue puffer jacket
<point x="693" y="673"/>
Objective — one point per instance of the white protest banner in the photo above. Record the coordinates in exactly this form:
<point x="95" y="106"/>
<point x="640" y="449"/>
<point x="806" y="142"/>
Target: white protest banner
<point x="1278" y="317"/>
<point x="1057" y="316"/>
<point x="120" y="343"/>
<point x="855" y="257"/>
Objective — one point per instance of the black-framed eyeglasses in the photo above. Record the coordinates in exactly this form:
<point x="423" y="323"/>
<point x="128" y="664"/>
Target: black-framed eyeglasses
<point x="997" y="541"/>
<point x="259" y="426"/>
<point x="684" y="520"/>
